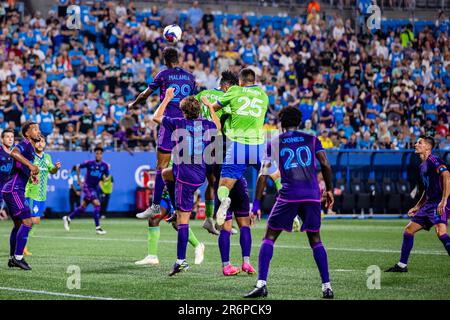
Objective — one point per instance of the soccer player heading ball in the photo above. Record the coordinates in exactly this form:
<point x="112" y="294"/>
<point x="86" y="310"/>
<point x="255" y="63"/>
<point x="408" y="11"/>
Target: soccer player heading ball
<point x="433" y="207"/>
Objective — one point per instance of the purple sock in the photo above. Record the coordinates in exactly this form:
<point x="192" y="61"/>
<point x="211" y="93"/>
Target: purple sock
<point x="159" y="187"/>
<point x="12" y="241"/>
<point x="224" y="245"/>
<point x="97" y="216"/>
<point x="21" y="239"/>
<point x="265" y="255"/>
<point x="246" y="241"/>
<point x="320" y="256"/>
<point x="171" y="188"/>
<point x="408" y="241"/>
<point x="445" y="239"/>
<point x="183" y="235"/>
<point x="77" y="211"/>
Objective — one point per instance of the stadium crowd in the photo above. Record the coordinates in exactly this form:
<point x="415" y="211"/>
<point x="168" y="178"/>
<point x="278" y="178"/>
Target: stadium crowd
<point x="356" y="91"/>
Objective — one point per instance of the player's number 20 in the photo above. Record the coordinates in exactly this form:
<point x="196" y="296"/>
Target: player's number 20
<point x="251" y="107"/>
<point x="290" y="164"/>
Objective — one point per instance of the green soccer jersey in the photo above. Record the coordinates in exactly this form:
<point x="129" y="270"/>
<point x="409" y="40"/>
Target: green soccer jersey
<point x="212" y="95"/>
<point x="38" y="191"/>
<point x="247" y="107"/>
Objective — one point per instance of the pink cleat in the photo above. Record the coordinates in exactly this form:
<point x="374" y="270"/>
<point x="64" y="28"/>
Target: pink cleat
<point x="247" y="267"/>
<point x="230" y="270"/>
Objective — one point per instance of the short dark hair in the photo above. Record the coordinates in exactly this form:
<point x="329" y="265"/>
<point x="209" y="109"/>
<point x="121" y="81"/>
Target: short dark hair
<point x="170" y="56"/>
<point x="247" y="75"/>
<point x="229" y="78"/>
<point x="290" y="117"/>
<point x="190" y="107"/>
<point x="429" y="139"/>
<point x="7" y="131"/>
<point x="98" y="148"/>
<point x="27" y="126"/>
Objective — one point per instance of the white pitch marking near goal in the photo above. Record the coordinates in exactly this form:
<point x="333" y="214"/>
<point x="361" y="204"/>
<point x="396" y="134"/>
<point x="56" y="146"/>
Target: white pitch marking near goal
<point x="58" y="294"/>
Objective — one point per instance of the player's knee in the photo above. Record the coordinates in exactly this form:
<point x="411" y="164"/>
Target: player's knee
<point x="314" y="238"/>
<point x="408" y="230"/>
<point x="166" y="174"/>
<point x="153" y="222"/>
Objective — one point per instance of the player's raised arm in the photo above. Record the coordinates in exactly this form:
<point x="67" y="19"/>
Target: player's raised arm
<point x="215" y="106"/>
<point x="142" y="97"/>
<point x="157" y="117"/>
<point x="327" y="177"/>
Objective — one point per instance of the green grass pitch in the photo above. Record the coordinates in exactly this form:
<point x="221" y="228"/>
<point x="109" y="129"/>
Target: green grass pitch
<point x="108" y="270"/>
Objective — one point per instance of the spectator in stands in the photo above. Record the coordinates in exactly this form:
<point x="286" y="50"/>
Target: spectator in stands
<point x="325" y="139"/>
<point x="195" y="15"/>
<point x="55" y="140"/>
<point x="45" y="119"/>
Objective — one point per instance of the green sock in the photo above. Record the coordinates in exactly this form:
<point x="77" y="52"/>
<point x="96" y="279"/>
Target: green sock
<point x="278" y="184"/>
<point x="209" y="208"/>
<point x="153" y="238"/>
<point x="193" y="239"/>
<point x="223" y="193"/>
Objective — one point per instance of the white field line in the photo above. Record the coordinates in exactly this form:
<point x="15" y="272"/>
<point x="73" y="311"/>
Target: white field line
<point x="58" y="294"/>
<point x="372" y="250"/>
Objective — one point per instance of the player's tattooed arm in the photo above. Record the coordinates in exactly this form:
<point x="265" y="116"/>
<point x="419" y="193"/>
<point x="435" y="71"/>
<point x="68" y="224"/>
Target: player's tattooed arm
<point x="16" y="155"/>
<point x="445" y="193"/>
<point x="327" y="177"/>
<point x="157" y="117"/>
<point x="142" y="97"/>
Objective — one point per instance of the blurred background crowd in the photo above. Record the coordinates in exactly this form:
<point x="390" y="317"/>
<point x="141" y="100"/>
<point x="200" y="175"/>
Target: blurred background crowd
<point x="356" y="90"/>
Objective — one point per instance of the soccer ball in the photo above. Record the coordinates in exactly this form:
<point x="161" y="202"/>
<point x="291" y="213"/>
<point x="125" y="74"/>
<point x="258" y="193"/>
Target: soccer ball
<point x="172" y="33"/>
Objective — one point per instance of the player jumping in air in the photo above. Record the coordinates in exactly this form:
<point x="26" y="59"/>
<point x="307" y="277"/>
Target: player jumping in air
<point x="433" y="207"/>
<point x="247" y="104"/>
<point x="96" y="170"/>
<point x="36" y="194"/>
<point x="6" y="161"/>
<point x="227" y="80"/>
<point x="189" y="168"/>
<point x="14" y="193"/>
<point x="295" y="153"/>
<point x="183" y="83"/>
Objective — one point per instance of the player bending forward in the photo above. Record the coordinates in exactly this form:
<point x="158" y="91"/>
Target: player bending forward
<point x="37" y="193"/>
<point x="295" y="154"/>
<point x="188" y="172"/>
<point x="96" y="170"/>
<point x="433" y="207"/>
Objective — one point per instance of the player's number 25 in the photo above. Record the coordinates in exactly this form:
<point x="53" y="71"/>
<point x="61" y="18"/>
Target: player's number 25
<point x="289" y="164"/>
<point x="251" y="107"/>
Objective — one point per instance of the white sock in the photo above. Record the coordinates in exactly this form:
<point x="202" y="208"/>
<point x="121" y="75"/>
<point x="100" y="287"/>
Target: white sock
<point x="260" y="283"/>
<point x="96" y="228"/>
<point x="18" y="257"/>
<point x="224" y="264"/>
<point x="401" y="265"/>
<point x="246" y="259"/>
<point x="180" y="261"/>
<point x="326" y="286"/>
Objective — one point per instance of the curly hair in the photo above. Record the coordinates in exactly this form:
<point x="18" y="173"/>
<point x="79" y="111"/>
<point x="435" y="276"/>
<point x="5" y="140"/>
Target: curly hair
<point x="190" y="107"/>
<point x="229" y="78"/>
<point x="290" y="117"/>
<point x="170" y="56"/>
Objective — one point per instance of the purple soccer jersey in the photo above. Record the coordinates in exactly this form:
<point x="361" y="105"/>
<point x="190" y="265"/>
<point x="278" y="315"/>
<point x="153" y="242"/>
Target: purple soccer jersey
<point x="178" y="78"/>
<point x="20" y="174"/>
<point x="295" y="154"/>
<point x="95" y="171"/>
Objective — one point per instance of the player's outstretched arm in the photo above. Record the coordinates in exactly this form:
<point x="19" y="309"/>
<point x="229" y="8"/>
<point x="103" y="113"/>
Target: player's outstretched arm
<point x="445" y="193"/>
<point x="157" y="117"/>
<point x="56" y="168"/>
<point x="16" y="155"/>
<point x="215" y="118"/>
<point x="216" y="106"/>
<point x="327" y="177"/>
<point x="141" y="98"/>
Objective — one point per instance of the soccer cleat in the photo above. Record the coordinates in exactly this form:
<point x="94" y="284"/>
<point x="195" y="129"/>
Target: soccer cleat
<point x="199" y="253"/>
<point x="230" y="270"/>
<point x="66" y="223"/>
<point x="247" y="267"/>
<point x="100" y="231"/>
<point x="151" y="212"/>
<point x="257" y="293"/>
<point x="222" y="211"/>
<point x="26" y="252"/>
<point x="22" y="264"/>
<point x="177" y="268"/>
<point x="233" y="230"/>
<point x="328" y="294"/>
<point x="296" y="225"/>
<point x="208" y="224"/>
<point x="152" y="260"/>
<point x="172" y="218"/>
<point x="397" y="268"/>
<point x="10" y="263"/>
